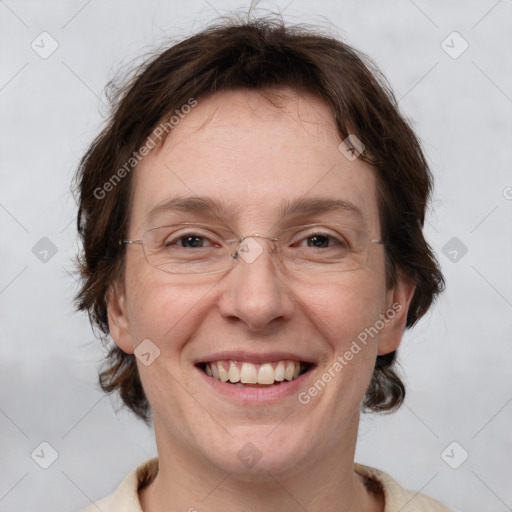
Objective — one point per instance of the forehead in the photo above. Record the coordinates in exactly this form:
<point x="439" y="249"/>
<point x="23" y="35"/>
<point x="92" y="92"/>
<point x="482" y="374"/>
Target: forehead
<point x="252" y="162"/>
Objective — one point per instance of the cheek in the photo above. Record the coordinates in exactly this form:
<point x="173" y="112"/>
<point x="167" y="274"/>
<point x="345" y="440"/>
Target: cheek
<point x="343" y="308"/>
<point x="345" y="314"/>
<point x="167" y="314"/>
<point x="160" y="311"/>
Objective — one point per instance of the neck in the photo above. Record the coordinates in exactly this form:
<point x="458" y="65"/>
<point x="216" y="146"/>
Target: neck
<point x="194" y="484"/>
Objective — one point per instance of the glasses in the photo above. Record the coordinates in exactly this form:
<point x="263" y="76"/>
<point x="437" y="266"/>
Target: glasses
<point x="194" y="248"/>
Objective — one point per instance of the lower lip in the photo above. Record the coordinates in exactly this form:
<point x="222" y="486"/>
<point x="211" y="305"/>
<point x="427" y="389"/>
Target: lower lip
<point x="260" y="395"/>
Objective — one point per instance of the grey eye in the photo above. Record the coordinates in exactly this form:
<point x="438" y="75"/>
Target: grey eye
<point x="318" y="241"/>
<point x="192" y="241"/>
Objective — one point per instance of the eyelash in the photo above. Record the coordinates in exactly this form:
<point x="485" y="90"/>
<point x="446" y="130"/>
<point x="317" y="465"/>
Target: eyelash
<point x="326" y="235"/>
<point x="331" y="237"/>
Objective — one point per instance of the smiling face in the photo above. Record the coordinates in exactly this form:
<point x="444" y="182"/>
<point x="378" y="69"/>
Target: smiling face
<point x="238" y="162"/>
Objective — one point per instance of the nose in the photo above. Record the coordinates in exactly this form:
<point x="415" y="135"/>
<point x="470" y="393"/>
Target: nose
<point x="256" y="293"/>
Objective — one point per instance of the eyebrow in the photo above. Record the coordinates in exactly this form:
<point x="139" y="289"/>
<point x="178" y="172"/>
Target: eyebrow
<point x="289" y="208"/>
<point x="192" y="204"/>
<point x="315" y="205"/>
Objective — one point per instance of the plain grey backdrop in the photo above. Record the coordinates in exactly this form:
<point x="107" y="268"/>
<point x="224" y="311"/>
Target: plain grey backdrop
<point x="451" y="68"/>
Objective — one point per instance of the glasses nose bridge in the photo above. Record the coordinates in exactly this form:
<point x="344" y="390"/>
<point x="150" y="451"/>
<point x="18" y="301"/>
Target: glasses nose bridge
<point x="252" y="252"/>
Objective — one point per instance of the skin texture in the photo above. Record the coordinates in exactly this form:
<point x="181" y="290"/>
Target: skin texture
<point x="239" y="148"/>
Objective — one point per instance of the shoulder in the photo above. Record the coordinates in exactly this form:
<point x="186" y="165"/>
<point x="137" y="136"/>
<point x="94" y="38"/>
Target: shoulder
<point x="397" y="498"/>
<point x="126" y="497"/>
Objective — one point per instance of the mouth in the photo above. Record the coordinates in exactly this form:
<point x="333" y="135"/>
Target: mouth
<point x="246" y="374"/>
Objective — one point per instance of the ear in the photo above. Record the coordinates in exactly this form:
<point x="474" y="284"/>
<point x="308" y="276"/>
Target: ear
<point x="398" y="301"/>
<point x="118" y="320"/>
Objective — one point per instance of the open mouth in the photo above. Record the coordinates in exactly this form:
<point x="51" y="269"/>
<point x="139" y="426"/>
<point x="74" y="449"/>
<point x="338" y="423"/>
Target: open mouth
<point x="245" y="374"/>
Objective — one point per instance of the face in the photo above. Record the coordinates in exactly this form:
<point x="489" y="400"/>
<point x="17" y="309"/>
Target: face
<point x="248" y="160"/>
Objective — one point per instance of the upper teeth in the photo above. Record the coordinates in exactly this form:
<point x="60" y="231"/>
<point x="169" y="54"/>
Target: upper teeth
<point x="249" y="373"/>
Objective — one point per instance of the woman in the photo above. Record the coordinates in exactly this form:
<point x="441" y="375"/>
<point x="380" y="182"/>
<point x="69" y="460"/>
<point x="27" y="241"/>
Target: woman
<point x="252" y="227"/>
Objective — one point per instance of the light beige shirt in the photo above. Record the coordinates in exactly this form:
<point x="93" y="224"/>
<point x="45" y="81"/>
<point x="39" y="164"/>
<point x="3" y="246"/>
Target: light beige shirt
<point x="397" y="499"/>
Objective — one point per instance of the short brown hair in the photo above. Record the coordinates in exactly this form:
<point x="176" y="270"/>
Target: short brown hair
<point x="257" y="54"/>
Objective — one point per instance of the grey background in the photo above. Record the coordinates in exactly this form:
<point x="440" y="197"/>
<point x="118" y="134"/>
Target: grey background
<point x="457" y="360"/>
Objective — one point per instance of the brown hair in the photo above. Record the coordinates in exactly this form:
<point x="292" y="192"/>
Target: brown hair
<point x="258" y="54"/>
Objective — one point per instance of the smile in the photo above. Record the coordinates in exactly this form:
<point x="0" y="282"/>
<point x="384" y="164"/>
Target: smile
<point x="253" y="374"/>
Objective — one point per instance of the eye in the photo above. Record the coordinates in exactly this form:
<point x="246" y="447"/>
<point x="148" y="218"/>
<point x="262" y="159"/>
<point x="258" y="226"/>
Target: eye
<point x="318" y="241"/>
<point x="189" y="240"/>
<point x="322" y="240"/>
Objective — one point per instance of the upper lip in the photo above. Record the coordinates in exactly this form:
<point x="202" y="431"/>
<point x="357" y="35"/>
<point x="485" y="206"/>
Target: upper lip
<point x="253" y="357"/>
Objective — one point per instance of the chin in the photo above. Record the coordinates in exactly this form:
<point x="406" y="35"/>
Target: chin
<point x="259" y="452"/>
